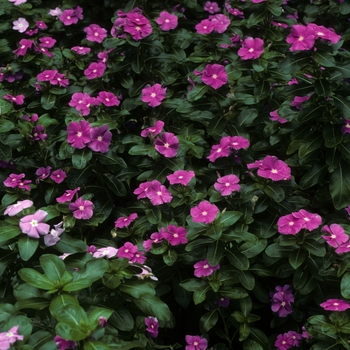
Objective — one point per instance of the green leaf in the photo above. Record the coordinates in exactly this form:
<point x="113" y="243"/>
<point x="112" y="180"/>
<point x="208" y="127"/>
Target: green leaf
<point x="48" y="101"/>
<point x="27" y="246"/>
<point x="297" y="257"/>
<point x="193" y="284"/>
<point x="215" y="252"/>
<point x="154" y="215"/>
<point x="93" y="270"/>
<point x="68" y="244"/>
<point x="250" y="344"/>
<point x="33" y="303"/>
<point x="197" y="92"/>
<point x="8" y="232"/>
<point x="77" y="285"/>
<point x="53" y="266"/>
<point x="137" y="288"/>
<point x="309" y="113"/>
<point x="95" y="345"/>
<point x="97" y="313"/>
<point x="229" y="218"/>
<point x="343" y="104"/>
<point x="35" y="278"/>
<point x="275" y="192"/>
<point x="247" y="116"/>
<point x="5" y="107"/>
<point x="237" y="259"/>
<point x="323" y="58"/>
<point x="216" y="125"/>
<point x="69" y="331"/>
<point x="345" y="286"/>
<point x="81" y="157"/>
<point x="339" y="186"/>
<point x="208" y="321"/>
<point x="122" y="319"/>
<point x="315" y="247"/>
<point x="151" y="305"/>
<point x="140" y="150"/>
<point x="115" y="185"/>
<point x="252" y="249"/>
<point x="332" y="135"/>
<point x="313" y="176"/>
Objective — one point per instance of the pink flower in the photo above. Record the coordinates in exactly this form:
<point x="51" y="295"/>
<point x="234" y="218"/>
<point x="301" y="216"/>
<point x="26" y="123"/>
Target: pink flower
<point x="203" y="268"/>
<point x="142" y="190"/>
<point x="322" y="32"/>
<point x="18" y="2"/>
<point x="43" y="173"/>
<point x="335" y="305"/>
<point x="137" y="25"/>
<point x="95" y="33"/>
<point x="343" y="248"/>
<point x="167" y="144"/>
<point x="337" y="235"/>
<point x="11" y="336"/>
<point x="236" y="12"/>
<point x="181" y="177"/>
<point x="155" y="238"/>
<point x="301" y="37"/>
<point x="81" y="50"/>
<point x="18" y="100"/>
<point x="152" y="326"/>
<point x="289" y="225"/>
<point x="138" y="258"/>
<point x="298" y="100"/>
<point x="108" y="99"/>
<point x="67" y="196"/>
<point x="58" y="176"/>
<point x="281" y="300"/>
<point x="54" y="236"/>
<point x="95" y="70"/>
<point x="195" y="342"/>
<point x="47" y="42"/>
<point x="227" y="184"/>
<point x="214" y="75"/>
<point x="38" y="133"/>
<point x="221" y="22"/>
<point x="79" y="134"/>
<point x="47" y="75"/>
<point x="310" y="221"/>
<point x="82" y="209"/>
<point x="274" y="169"/>
<point x="204" y="212"/>
<point x="14" y="180"/>
<point x="100" y="139"/>
<point x="33" y="224"/>
<point x="158" y="193"/>
<point x="108" y="252"/>
<point x="236" y="142"/>
<point x="21" y="25"/>
<point x="174" y="235"/>
<point x="41" y="25"/>
<point x="153" y="130"/>
<point x="211" y="7"/>
<point x="206" y="26"/>
<point x="25" y="44"/>
<point x="223" y="149"/>
<point x="153" y="95"/>
<point x="251" y="49"/>
<point x="71" y="16"/>
<point x="125" y="221"/>
<point x="64" y="344"/>
<point x="275" y="117"/>
<point x="14" y="209"/>
<point x="346" y="128"/>
<point x="279" y="24"/>
<point x="167" y="21"/>
<point x="283" y="342"/>
<point x="127" y="251"/>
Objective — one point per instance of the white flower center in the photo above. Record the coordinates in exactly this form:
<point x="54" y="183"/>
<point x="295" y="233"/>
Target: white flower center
<point x="34" y="223"/>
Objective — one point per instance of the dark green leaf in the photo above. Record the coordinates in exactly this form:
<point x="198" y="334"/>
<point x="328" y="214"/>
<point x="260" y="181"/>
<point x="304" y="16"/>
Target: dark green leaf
<point x="339" y="186"/>
<point x="208" y="321"/>
<point x="27" y="246"/>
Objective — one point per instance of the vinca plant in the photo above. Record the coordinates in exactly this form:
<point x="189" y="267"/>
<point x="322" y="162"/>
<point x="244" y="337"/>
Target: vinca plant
<point x="174" y="174"/>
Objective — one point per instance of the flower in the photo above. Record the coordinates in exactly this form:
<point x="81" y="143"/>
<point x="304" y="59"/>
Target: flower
<point x="125" y="221"/>
<point x="95" y="33"/>
<point x="54" y="236"/>
<point x="324" y="33"/>
<point x="100" y="139"/>
<point x="82" y="209"/>
<point x="206" y="26"/>
<point x="204" y="212"/>
<point x="10" y="337"/>
<point x="70" y="16"/>
<point x="214" y="75"/>
<point x="174" y="235"/>
<point x="58" y="176"/>
<point x="335" y="305"/>
<point x="18" y="100"/>
<point x="221" y="22"/>
<point x="167" y="21"/>
<point x="141" y="191"/>
<point x="223" y="149"/>
<point x="310" y="221"/>
<point x="158" y="194"/>
<point x="14" y="180"/>
<point x="33" y="224"/>
<point x="251" y="49"/>
<point x="181" y="177"/>
<point x="42" y="173"/>
<point x="41" y="25"/>
<point x="167" y="144"/>
<point x="14" y="209"/>
<point x="289" y="225"/>
<point x="152" y="326"/>
<point x="275" y="117"/>
<point x="153" y="95"/>
<point x="25" y="44"/>
<point x="137" y="25"/>
<point x="154" y="130"/>
<point x="81" y="50"/>
<point x="127" y="251"/>
<point x="298" y="100"/>
<point x="346" y="127"/>
<point x="273" y="168"/>
<point x="203" y="268"/>
<point x="67" y="196"/>
<point x="18" y="2"/>
<point x="64" y="344"/>
<point x="284" y="342"/>
<point x="47" y="42"/>
<point x="95" y="70"/>
<point x="108" y="252"/>
<point x="301" y="37"/>
<point x="79" y="134"/>
<point x="154" y="238"/>
<point x="108" y="99"/>
<point x="337" y="235"/>
<point x="236" y="142"/>
<point x="38" y="133"/>
<point x="281" y="300"/>
<point x="211" y="7"/>
<point x="195" y="342"/>
<point x="21" y="25"/>
<point x="343" y="248"/>
<point x="227" y="184"/>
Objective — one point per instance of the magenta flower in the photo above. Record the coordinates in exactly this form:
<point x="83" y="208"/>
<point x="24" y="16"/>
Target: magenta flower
<point x="204" y="269"/>
<point x="100" y="139"/>
<point x="153" y="95"/>
<point x="138" y="258"/>
<point x="41" y="25"/>
<point x="38" y="133"/>
<point x="82" y="209"/>
<point x="152" y="326"/>
<point x="108" y="99"/>
<point x="289" y="225"/>
<point x="137" y="25"/>
<point x="10" y="337"/>
<point x="167" y="21"/>
<point x="227" y="184"/>
<point x="108" y="252"/>
<point x="284" y="342"/>
<point x="301" y="37"/>
<point x="47" y="42"/>
<point x="33" y="224"/>
<point x="81" y="50"/>
<point x="82" y="102"/>
<point x="67" y="196"/>
<point x="204" y="212"/>
<point x="174" y="235"/>
<point x="214" y="75"/>
<point x="346" y="128"/>
<point x="158" y="193"/>
<point x="21" y="25"/>
<point x="167" y="144"/>
<point x="324" y="33"/>
<point x="181" y="177"/>
<point x="47" y="75"/>
<point x="223" y="149"/>
<point x="281" y="300"/>
<point x="206" y="26"/>
<point x="54" y="236"/>
<point x="211" y="7"/>
<point x="155" y="238"/>
<point x="337" y="235"/>
<point x="274" y="169"/>
<point x="95" y="70"/>
<point x="58" y="176"/>
<point x="14" y="180"/>
<point x="343" y="248"/>
<point x="153" y="130"/>
<point x="18" y="100"/>
<point x="335" y="305"/>
<point x="64" y="344"/>
<point x="127" y="251"/>
<point x="195" y="342"/>
<point x="310" y="221"/>
<point x="221" y="22"/>
<point x="275" y="117"/>
<point x="95" y="33"/>
<point x="71" y="16"/>
<point x="251" y="49"/>
<point x="298" y="100"/>
<point x="296" y="337"/>
<point x="25" y="44"/>
<point x="236" y="142"/>
<point x="14" y="209"/>
<point x="142" y="190"/>
<point x="43" y="173"/>
<point x="125" y="221"/>
<point x="79" y="134"/>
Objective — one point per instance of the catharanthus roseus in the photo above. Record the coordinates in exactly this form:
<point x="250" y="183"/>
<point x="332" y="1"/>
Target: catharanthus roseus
<point x="81" y="50"/>
<point x="79" y="134"/>
<point x="158" y="193"/>
<point x="204" y="269"/>
<point x="131" y="252"/>
<point x="95" y="33"/>
<point x="108" y="99"/>
<point x="42" y="173"/>
<point x="211" y="7"/>
<point x="335" y="305"/>
<point x="301" y="37"/>
<point x="64" y="344"/>
<point x="152" y="326"/>
<point x="153" y="130"/>
<point x="82" y="209"/>
<point x="221" y="23"/>
<point x="100" y="139"/>
<point x="337" y="235"/>
<point x="67" y="196"/>
<point x="204" y="212"/>
<point x="252" y="48"/>
<point x="24" y="45"/>
<point x="167" y="144"/>
<point x="10" y="337"/>
<point x="18" y="100"/>
<point x="54" y="236"/>
<point x="16" y="180"/>
<point x="16" y="208"/>
<point x="275" y="117"/>
<point x="70" y="16"/>
<point x="181" y="177"/>
<point x="108" y="252"/>
<point x="125" y="221"/>
<point x="21" y="25"/>
<point x="281" y="300"/>
<point x="153" y="95"/>
<point x="174" y="235"/>
<point x="288" y="340"/>
<point x="58" y="176"/>
<point x="214" y="75"/>
<point x="95" y="70"/>
<point x="227" y="184"/>
<point x="196" y="342"/>
<point x="33" y="225"/>
<point x="18" y="2"/>
<point x="167" y="21"/>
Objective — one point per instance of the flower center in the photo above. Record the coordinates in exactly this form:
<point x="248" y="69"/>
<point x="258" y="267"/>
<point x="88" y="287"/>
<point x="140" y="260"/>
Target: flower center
<point x="166" y="145"/>
<point x="204" y="213"/>
<point x="34" y="223"/>
<point x="153" y="94"/>
<point x="195" y="343"/>
<point x="251" y="49"/>
<point x="274" y="171"/>
<point x="96" y="34"/>
<point x="99" y="138"/>
<point x="214" y="76"/>
<point x="333" y="236"/>
<point x="159" y="193"/>
<point x="79" y="134"/>
<point x="81" y="207"/>
<point x="166" y="21"/>
<point x="227" y="184"/>
<point x="176" y="235"/>
<point x="301" y="38"/>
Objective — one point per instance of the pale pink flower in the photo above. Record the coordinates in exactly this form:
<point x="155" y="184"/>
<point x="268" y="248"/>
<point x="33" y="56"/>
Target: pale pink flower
<point x="10" y="337"/>
<point x="181" y="177"/>
<point x="16" y="208"/>
<point x="167" y="144"/>
<point x="252" y="48"/>
<point x="18" y="2"/>
<point x="108" y="252"/>
<point x="227" y="184"/>
<point x="55" y="12"/>
<point x="21" y="25"/>
<point x="125" y="221"/>
<point x="153" y="130"/>
<point x="54" y="236"/>
<point x="82" y="209"/>
<point x="337" y="235"/>
<point x="33" y="224"/>
<point x="153" y="95"/>
<point x="95" y="33"/>
<point x="167" y="21"/>
<point x="204" y="269"/>
<point x="204" y="212"/>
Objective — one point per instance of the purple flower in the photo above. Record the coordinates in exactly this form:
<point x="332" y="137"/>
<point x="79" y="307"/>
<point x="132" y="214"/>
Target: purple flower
<point x="223" y="302"/>
<point x="152" y="326"/>
<point x="174" y="235"/>
<point x="203" y="268"/>
<point x="153" y="130"/>
<point x="214" y="75"/>
<point x="158" y="193"/>
<point x="18" y="2"/>
<point x="67" y="196"/>
<point x="227" y="184"/>
<point x="324" y="33"/>
<point x="155" y="238"/>
<point x="82" y="209"/>
<point x="343" y="248"/>
<point x="206" y="26"/>
<point x="153" y="95"/>
<point x="14" y="209"/>
<point x="281" y="300"/>
<point x="25" y="44"/>
<point x="58" y="176"/>
<point x="38" y="133"/>
<point x="71" y="16"/>
<point x="41" y="25"/>
<point x="108" y="252"/>
<point x="298" y="100"/>
<point x="310" y="221"/>
<point x="125" y="221"/>
<point x="81" y="50"/>
<point x="33" y="224"/>
<point x="14" y="180"/>
<point x="79" y="134"/>
<point x="223" y="149"/>
<point x="181" y="177"/>
<point x="346" y="128"/>
<point x="108" y="99"/>
<point x="95" y="33"/>
<point x="251" y="49"/>
<point x="10" y="337"/>
<point x="301" y="37"/>
<point x="21" y="25"/>
<point x="142" y="190"/>
<point x="221" y="22"/>
<point x="64" y="344"/>
<point x="296" y="337"/>
<point x="204" y="212"/>
<point x="18" y="100"/>
<point x="275" y="117"/>
<point x="54" y="236"/>
<point x="137" y="25"/>
<point x="127" y="251"/>
<point x="167" y="21"/>
<point x="42" y="173"/>
<point x="167" y="144"/>
<point x="273" y="168"/>
<point x="95" y="70"/>
<point x="47" y="42"/>
<point x="195" y="342"/>
<point x="337" y="235"/>
<point x="289" y="225"/>
<point x="211" y="7"/>
<point x="335" y="305"/>
<point x="283" y="342"/>
<point x="100" y="139"/>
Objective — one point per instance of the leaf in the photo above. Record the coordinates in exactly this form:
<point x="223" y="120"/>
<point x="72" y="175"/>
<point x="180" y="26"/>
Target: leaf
<point x="197" y="92"/>
<point x="309" y="113"/>
<point x="97" y="313"/>
<point x="247" y="116"/>
<point x="237" y="259"/>
<point x="122" y="319"/>
<point x="208" y="321"/>
<point x="332" y="135"/>
<point x="33" y="303"/>
<point x="48" y="101"/>
<point x="77" y="285"/>
<point x="137" y="288"/>
<point x="151" y="305"/>
<point x="215" y="252"/>
<point x="115" y="185"/>
<point x="68" y="244"/>
<point x="93" y="270"/>
<point x="53" y="266"/>
<point x="68" y="331"/>
<point x="252" y="249"/>
<point x="297" y="257"/>
<point x="8" y="232"/>
<point x="229" y="218"/>
<point x="35" y="279"/>
<point x="5" y="106"/>
<point x="216" y="125"/>
<point x="275" y="192"/>
<point x="27" y="246"/>
<point x="339" y="186"/>
<point x="323" y="58"/>
<point x="343" y="104"/>
<point x="95" y="345"/>
<point x="81" y="157"/>
<point x="345" y="286"/>
<point x="313" y="176"/>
